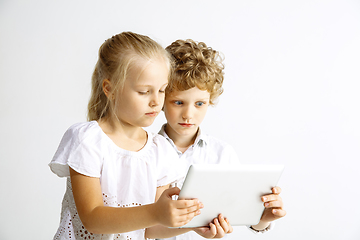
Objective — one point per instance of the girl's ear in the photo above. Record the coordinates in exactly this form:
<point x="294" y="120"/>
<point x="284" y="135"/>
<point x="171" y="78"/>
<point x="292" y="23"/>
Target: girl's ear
<point x="107" y="88"/>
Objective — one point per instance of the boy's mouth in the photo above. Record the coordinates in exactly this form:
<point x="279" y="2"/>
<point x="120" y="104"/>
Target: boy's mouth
<point x="186" y="125"/>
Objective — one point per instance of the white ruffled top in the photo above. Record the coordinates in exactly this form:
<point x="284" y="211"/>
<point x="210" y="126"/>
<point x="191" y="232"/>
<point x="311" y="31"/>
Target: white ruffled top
<point x="127" y="178"/>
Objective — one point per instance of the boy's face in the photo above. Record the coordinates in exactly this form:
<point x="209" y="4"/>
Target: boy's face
<point x="184" y="111"/>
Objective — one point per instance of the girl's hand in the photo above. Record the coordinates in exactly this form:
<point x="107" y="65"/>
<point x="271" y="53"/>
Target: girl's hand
<point x="175" y="213"/>
<point x="217" y="229"/>
<point x="273" y="206"/>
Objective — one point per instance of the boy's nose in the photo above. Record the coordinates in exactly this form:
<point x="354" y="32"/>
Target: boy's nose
<point x="187" y="114"/>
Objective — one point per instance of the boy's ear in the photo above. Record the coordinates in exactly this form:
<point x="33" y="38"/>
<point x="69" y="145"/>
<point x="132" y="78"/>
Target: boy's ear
<point x="107" y="88"/>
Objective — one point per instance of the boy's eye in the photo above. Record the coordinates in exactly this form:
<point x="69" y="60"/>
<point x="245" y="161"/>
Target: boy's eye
<point x="199" y="104"/>
<point x="178" y="102"/>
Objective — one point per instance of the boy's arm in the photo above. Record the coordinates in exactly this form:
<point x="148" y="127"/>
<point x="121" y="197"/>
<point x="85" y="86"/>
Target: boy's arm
<point x="273" y="209"/>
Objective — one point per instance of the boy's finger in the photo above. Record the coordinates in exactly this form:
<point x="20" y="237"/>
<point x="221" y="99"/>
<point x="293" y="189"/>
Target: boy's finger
<point x="279" y="212"/>
<point x="271" y="197"/>
<point x="220" y="231"/>
<point x="276" y="190"/>
<point x="230" y="227"/>
<point x="223" y="223"/>
<point x="212" y="229"/>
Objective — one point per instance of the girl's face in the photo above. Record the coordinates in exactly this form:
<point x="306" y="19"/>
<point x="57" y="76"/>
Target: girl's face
<point x="142" y="97"/>
<point x="184" y="111"/>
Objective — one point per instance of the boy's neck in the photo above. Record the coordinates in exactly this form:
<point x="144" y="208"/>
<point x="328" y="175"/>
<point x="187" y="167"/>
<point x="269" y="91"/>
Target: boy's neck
<point x="182" y="142"/>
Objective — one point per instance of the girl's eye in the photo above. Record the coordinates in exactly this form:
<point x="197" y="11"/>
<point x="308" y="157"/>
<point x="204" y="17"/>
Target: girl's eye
<point x="143" y="93"/>
<point x="199" y="104"/>
<point x="161" y="91"/>
<point x="178" y="102"/>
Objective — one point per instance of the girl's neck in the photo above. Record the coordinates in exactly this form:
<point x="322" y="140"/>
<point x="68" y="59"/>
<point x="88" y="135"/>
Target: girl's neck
<point x="125" y="136"/>
<point x="182" y="142"/>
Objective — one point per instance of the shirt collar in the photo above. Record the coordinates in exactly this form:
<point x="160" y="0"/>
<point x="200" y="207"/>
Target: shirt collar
<point x="201" y="139"/>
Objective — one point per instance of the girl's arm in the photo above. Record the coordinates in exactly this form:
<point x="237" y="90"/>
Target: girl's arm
<point x="100" y="219"/>
<point x="217" y="229"/>
<point x="160" y="231"/>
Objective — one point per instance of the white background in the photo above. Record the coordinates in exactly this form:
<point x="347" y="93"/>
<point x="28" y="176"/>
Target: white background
<point x="291" y="97"/>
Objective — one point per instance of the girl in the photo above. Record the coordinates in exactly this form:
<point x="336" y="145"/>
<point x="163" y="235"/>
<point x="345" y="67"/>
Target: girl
<point x="196" y="82"/>
<point x="115" y="169"/>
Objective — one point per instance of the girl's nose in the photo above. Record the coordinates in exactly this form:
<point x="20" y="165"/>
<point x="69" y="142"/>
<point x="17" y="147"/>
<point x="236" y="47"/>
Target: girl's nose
<point x="155" y="100"/>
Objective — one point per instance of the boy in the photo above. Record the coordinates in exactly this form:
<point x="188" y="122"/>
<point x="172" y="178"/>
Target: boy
<point x="195" y="83"/>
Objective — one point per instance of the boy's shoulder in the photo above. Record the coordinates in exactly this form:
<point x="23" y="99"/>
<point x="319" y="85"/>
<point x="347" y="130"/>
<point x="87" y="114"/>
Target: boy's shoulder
<point x="212" y="140"/>
<point x="219" y="151"/>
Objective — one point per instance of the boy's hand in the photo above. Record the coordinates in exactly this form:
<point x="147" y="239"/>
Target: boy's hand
<point x="273" y="206"/>
<point x="175" y="213"/>
<point x="217" y="229"/>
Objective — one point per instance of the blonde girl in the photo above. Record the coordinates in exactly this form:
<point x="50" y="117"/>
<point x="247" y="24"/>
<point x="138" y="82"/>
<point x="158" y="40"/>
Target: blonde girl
<point x="115" y="169"/>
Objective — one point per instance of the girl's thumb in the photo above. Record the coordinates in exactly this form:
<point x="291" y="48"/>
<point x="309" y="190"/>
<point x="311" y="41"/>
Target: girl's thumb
<point x="172" y="191"/>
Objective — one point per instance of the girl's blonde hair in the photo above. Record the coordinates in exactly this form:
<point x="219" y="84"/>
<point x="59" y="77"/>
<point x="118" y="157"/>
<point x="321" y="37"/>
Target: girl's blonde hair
<point x="196" y="65"/>
<point x="116" y="55"/>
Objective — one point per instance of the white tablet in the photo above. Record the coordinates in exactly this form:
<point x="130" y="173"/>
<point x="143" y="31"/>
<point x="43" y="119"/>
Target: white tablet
<point x="233" y="190"/>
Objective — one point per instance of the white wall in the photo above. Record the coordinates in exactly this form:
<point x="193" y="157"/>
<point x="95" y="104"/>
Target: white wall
<point x="291" y="97"/>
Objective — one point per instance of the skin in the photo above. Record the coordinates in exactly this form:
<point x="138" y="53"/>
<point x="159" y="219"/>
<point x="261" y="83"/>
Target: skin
<point x="184" y="111"/>
<point x="137" y="106"/>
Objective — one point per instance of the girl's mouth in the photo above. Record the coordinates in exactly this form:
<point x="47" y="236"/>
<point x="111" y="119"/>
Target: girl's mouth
<point x="151" y="114"/>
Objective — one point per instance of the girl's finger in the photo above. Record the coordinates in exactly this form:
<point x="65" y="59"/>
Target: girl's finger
<point x="187" y="217"/>
<point x="180" y="204"/>
<point x="193" y="209"/>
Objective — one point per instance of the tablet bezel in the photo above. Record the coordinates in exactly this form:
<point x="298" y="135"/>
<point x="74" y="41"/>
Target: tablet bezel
<point x="233" y="190"/>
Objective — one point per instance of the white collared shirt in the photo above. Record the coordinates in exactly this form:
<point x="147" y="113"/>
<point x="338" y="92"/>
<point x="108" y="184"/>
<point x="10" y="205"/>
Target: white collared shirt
<point x="206" y="149"/>
<point x="210" y="150"/>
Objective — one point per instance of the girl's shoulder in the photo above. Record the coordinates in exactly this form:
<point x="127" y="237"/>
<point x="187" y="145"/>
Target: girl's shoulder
<point x="84" y="132"/>
<point x="83" y="129"/>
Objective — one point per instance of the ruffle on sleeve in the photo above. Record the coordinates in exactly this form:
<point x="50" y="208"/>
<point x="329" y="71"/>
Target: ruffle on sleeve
<point x="80" y="149"/>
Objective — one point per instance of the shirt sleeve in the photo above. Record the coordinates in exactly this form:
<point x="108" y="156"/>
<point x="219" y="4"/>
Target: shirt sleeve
<point x="79" y="150"/>
<point x="268" y="228"/>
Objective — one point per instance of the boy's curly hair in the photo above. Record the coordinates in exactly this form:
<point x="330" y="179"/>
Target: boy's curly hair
<point x="195" y="64"/>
